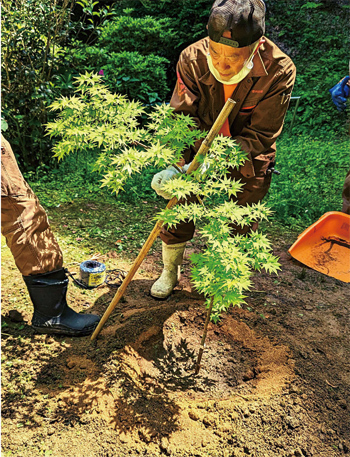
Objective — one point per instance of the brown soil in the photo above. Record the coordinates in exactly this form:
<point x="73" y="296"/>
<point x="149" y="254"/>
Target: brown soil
<point x="274" y="382"/>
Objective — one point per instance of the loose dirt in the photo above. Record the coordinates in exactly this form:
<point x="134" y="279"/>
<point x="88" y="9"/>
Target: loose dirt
<point x="274" y="381"/>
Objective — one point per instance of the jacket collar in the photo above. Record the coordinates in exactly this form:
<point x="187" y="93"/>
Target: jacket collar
<point x="258" y="70"/>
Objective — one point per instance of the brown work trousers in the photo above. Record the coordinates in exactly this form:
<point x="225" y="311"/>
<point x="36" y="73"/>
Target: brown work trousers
<point x="254" y="190"/>
<point x="24" y="222"/>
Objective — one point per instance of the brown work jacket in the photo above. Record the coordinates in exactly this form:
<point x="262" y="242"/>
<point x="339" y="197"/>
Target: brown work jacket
<point x="262" y="99"/>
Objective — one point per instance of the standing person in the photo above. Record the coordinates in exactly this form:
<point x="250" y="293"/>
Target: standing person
<point x="340" y="93"/>
<point x="235" y="61"/>
<point x="37" y="254"/>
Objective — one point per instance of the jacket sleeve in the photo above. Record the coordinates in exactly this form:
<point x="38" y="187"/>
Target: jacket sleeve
<point x="259" y="135"/>
<point x="185" y="98"/>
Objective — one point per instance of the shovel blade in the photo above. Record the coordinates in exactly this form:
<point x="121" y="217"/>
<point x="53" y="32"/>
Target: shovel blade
<point x="325" y="246"/>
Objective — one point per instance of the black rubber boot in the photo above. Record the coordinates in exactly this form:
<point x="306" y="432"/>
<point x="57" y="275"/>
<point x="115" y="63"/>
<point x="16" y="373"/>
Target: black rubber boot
<point x="51" y="313"/>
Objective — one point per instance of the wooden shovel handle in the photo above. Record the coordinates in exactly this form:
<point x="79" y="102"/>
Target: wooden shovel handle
<point x="205" y="146"/>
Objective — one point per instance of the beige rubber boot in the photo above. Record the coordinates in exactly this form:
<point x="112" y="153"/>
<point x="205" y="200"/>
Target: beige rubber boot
<point x="172" y="259"/>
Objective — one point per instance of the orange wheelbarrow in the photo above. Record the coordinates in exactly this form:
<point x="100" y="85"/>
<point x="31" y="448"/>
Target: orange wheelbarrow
<point x="325" y="246"/>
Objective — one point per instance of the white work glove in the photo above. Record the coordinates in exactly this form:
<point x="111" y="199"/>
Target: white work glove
<point x="164" y="176"/>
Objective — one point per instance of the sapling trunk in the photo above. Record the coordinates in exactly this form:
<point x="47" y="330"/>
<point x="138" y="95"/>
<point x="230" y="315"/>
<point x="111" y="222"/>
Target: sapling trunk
<point x="201" y="349"/>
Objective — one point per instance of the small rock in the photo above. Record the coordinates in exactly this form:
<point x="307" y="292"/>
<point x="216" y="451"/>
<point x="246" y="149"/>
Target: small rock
<point x="309" y="308"/>
<point x="50" y="431"/>
<point x="292" y="422"/>
<point x="193" y="415"/>
<point x="207" y="421"/>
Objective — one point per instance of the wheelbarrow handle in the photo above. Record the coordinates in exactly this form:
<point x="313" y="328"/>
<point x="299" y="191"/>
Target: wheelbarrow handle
<point x="202" y="151"/>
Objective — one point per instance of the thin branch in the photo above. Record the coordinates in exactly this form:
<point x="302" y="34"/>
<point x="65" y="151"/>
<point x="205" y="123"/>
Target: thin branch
<point x="140" y="144"/>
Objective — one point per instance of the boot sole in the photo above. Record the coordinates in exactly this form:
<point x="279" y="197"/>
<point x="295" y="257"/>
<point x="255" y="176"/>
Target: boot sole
<point x="166" y="296"/>
<point x="160" y="298"/>
<point x="64" y="331"/>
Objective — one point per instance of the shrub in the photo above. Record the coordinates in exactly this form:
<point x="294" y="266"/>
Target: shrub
<point x="32" y="33"/>
<point x="146" y="35"/>
<point x="139" y="77"/>
<point x="34" y="69"/>
<point x="186" y="20"/>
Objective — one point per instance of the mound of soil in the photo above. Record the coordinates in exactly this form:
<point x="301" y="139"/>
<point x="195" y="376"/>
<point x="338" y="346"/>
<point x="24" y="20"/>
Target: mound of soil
<point x="274" y="380"/>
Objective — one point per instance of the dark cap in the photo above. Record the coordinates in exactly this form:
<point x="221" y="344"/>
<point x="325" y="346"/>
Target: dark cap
<point x="244" y="18"/>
